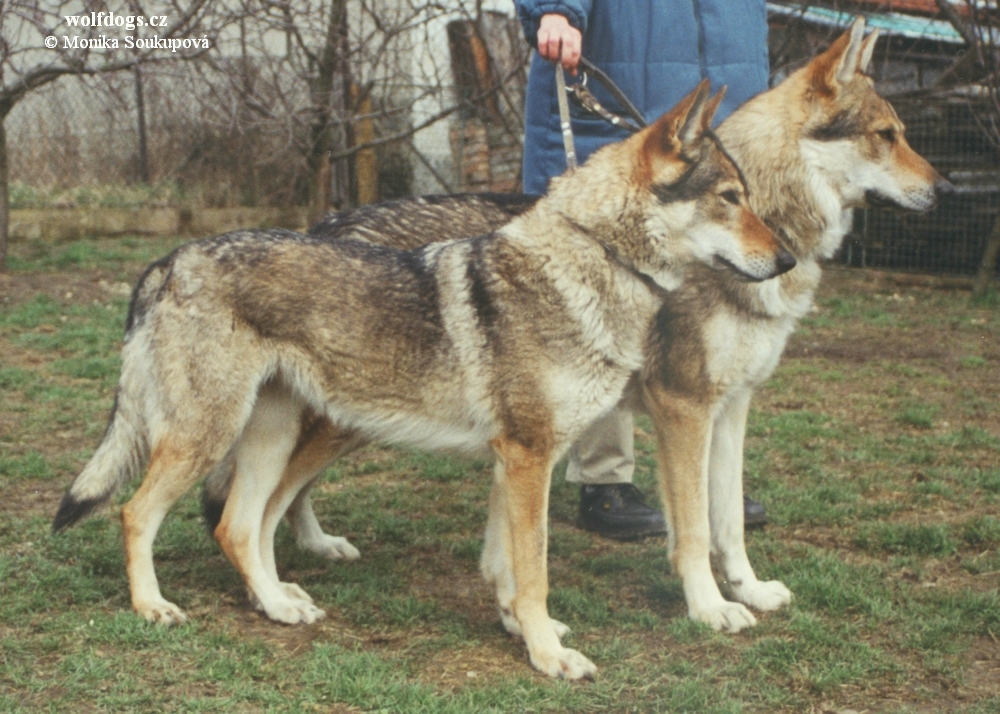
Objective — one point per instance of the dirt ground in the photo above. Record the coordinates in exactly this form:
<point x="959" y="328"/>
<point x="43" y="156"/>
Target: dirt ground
<point x="912" y="365"/>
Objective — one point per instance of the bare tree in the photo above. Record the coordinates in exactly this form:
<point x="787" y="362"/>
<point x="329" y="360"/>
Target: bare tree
<point x="39" y="45"/>
<point x="318" y="102"/>
<point x="341" y="79"/>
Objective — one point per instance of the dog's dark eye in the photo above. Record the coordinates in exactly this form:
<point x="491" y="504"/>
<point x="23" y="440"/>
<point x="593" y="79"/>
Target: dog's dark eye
<point x="731" y="197"/>
<point x="889" y="135"/>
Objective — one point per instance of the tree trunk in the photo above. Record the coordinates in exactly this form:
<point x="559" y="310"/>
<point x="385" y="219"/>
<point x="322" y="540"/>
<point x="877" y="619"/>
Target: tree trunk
<point x="326" y="103"/>
<point x="365" y="161"/>
<point x="140" y="107"/>
<point x="4" y="196"/>
<point x="985" y="274"/>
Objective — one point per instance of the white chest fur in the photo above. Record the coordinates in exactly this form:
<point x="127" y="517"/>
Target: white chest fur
<point x="743" y="352"/>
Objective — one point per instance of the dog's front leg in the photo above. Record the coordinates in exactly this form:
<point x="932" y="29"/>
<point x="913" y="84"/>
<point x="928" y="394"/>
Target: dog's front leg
<point x="683" y="433"/>
<point x="524" y="490"/>
<point x="726" y="510"/>
<point x="495" y="564"/>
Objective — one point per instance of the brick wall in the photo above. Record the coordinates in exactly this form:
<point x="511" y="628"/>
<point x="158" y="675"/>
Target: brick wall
<point x="487" y="155"/>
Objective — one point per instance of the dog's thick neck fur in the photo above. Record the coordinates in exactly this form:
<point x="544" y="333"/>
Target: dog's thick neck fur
<point x="599" y="208"/>
<point x="788" y="191"/>
<point x="765" y="133"/>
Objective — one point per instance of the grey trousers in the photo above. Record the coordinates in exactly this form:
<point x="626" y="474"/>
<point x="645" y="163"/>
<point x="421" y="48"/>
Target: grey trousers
<point x="605" y="453"/>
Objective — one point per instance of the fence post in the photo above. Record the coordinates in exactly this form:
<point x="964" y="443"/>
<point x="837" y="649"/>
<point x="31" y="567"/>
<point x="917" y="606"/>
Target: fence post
<point x="141" y="112"/>
<point x="4" y="196"/>
<point x="985" y="273"/>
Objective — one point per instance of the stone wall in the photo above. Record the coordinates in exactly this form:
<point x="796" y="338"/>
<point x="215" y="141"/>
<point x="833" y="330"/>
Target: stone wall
<point x="62" y="224"/>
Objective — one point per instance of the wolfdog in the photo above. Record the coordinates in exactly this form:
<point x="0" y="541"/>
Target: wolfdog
<point x="405" y="223"/>
<point x="812" y="149"/>
<point x="515" y="341"/>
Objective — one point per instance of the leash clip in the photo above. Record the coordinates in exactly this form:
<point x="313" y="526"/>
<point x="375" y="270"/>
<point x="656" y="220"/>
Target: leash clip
<point x="564" y="120"/>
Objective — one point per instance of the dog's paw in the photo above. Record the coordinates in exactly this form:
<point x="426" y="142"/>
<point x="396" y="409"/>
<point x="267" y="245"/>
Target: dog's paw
<point x="295" y="592"/>
<point x="770" y="595"/>
<point x="161" y="612"/>
<point x="564" y="663"/>
<point x="291" y="590"/>
<point x="293" y="612"/>
<point x="512" y="626"/>
<point x="332" y="547"/>
<point x="726" y="616"/>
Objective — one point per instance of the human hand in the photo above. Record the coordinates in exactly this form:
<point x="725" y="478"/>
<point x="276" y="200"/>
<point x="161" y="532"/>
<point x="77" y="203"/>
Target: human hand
<point x="555" y="32"/>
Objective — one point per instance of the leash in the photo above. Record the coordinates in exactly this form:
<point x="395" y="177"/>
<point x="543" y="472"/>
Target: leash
<point x="585" y="99"/>
<point x="589" y="101"/>
<point x="564" y="122"/>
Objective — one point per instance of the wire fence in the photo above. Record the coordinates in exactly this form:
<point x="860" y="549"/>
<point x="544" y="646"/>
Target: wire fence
<point x="251" y="129"/>
<point x="186" y="134"/>
<point x="80" y="135"/>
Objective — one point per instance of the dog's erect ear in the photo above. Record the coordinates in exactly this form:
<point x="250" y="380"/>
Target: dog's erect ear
<point x="851" y="60"/>
<point x="841" y="61"/>
<point x="678" y="127"/>
<point x="693" y="126"/>
<point x="711" y="107"/>
<point x="867" y="49"/>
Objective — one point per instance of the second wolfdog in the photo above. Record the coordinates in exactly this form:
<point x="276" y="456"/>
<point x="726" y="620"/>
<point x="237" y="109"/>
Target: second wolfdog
<point x="812" y="149"/>
<point x="514" y="341"/>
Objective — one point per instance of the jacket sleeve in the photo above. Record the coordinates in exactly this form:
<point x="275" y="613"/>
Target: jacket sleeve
<point x="530" y="13"/>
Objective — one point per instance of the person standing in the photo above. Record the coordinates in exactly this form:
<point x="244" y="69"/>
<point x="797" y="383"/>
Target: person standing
<point x="656" y="51"/>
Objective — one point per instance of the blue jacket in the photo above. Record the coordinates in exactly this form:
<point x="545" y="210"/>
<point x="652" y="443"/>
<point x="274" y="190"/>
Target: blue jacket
<point x="655" y="50"/>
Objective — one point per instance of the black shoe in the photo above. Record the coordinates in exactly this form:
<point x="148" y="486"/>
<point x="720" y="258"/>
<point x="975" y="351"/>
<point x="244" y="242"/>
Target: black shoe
<point x="618" y="511"/>
<point x="754" y="515"/>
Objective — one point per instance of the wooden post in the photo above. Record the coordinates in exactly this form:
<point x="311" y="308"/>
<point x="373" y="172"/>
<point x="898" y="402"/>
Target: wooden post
<point x="140" y="106"/>
<point x="365" y="162"/>
<point x="987" y="266"/>
<point x="4" y="196"/>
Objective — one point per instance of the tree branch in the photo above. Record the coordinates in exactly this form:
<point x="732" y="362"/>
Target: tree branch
<point x="952" y="16"/>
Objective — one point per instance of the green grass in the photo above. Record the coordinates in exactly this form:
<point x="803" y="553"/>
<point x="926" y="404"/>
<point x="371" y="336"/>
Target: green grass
<point x="23" y="195"/>
<point x="118" y="258"/>
<point x="933" y="540"/>
<point x="28" y="465"/>
<point x="881" y="478"/>
<point x="920" y="416"/>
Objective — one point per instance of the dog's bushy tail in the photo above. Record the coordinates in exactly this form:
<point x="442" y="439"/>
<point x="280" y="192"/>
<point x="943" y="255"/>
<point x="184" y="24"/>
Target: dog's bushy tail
<point x="124" y="449"/>
<point x="117" y="460"/>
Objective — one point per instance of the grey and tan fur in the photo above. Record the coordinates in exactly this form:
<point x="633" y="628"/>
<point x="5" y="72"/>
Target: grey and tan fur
<point x="406" y="224"/>
<point x="812" y="149"/>
<point x="512" y="342"/>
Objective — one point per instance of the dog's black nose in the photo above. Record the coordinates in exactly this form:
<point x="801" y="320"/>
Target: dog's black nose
<point x="944" y="187"/>
<point x="786" y="261"/>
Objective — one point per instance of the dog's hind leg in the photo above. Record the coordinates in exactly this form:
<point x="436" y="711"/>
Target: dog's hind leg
<point x="683" y="432"/>
<point x="725" y="477"/>
<point x="261" y="456"/>
<point x="495" y="563"/>
<point x="309" y="534"/>
<point x="174" y="466"/>
<point x="325" y="444"/>
<point x="526" y="476"/>
<point x="317" y="447"/>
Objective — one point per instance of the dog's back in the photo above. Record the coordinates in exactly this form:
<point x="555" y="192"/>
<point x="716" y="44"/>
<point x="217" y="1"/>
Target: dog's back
<point x="414" y="222"/>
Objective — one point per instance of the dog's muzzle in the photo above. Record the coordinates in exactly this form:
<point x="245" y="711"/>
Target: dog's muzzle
<point x="922" y="201"/>
<point x="783" y="262"/>
<point x="944" y="187"/>
<point x="786" y="261"/>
